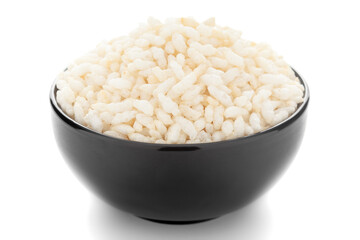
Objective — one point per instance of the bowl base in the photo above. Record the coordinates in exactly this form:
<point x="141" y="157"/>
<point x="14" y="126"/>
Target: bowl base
<point x="177" y="222"/>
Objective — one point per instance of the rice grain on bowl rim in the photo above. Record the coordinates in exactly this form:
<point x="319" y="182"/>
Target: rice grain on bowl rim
<point x="179" y="82"/>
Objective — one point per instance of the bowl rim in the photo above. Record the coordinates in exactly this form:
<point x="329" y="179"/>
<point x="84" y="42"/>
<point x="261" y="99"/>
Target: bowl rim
<point x="300" y="109"/>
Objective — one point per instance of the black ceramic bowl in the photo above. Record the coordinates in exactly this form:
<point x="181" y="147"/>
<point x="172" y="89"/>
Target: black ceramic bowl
<point x="182" y="183"/>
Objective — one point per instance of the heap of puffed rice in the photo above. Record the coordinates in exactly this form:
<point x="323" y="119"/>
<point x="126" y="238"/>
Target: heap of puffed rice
<point x="179" y="82"/>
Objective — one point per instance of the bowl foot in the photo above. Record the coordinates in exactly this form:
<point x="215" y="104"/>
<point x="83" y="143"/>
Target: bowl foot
<point x="177" y="222"/>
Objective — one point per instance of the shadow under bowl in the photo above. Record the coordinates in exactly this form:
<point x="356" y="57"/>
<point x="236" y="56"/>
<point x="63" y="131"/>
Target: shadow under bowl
<point x="179" y="183"/>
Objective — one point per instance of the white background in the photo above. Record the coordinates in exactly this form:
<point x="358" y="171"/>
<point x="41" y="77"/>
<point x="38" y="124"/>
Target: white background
<point x="317" y="198"/>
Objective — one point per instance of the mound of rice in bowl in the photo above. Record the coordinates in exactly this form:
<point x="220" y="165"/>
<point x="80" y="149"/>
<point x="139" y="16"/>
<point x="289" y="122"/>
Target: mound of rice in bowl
<point x="179" y="82"/>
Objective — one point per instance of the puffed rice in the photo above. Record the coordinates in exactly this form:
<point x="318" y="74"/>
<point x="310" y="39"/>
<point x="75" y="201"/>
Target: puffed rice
<point x="179" y="82"/>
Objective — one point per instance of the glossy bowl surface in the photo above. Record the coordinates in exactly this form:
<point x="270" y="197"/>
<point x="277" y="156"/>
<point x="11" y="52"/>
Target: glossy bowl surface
<point x="179" y="183"/>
